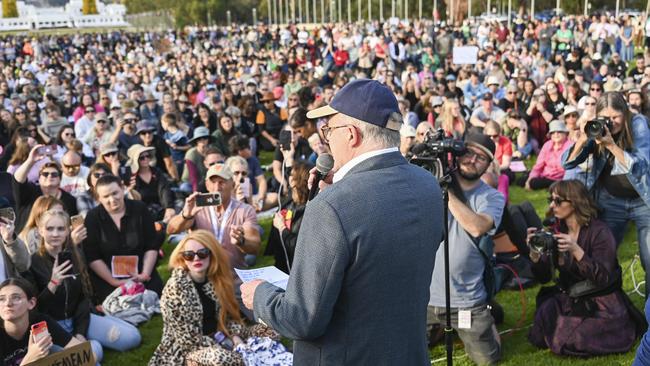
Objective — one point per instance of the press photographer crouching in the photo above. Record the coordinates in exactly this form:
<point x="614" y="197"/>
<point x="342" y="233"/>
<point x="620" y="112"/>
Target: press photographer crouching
<point x="585" y="313"/>
<point x="619" y="143"/>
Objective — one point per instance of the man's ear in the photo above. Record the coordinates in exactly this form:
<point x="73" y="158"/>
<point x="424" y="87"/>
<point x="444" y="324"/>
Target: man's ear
<point x="355" y="138"/>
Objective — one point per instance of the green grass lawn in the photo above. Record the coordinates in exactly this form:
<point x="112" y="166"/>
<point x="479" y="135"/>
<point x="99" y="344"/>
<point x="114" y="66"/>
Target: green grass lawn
<point x="516" y="349"/>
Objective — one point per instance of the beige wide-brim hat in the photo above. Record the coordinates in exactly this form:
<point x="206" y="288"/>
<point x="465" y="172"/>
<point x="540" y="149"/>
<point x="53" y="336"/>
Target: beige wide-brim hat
<point x="134" y="155"/>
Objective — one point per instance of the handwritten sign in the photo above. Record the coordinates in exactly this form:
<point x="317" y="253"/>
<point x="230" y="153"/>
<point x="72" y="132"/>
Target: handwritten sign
<point x="79" y="355"/>
<point x="466" y="55"/>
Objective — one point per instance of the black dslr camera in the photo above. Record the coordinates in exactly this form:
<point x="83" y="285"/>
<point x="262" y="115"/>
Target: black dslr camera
<point x="543" y="242"/>
<point x="433" y="153"/>
<point x="596" y="127"/>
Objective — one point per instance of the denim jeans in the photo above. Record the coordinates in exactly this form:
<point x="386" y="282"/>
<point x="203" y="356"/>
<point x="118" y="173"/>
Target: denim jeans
<point x="617" y="212"/>
<point x="67" y="324"/>
<point x="109" y="332"/>
<point x="482" y="341"/>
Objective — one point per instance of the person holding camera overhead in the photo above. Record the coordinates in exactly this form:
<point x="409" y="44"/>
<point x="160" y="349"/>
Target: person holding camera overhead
<point x="619" y="143"/>
<point x="234" y="223"/>
<point x="585" y="313"/>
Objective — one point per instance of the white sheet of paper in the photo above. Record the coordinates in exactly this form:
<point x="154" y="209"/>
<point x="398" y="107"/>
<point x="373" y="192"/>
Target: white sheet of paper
<point x="466" y="55"/>
<point x="517" y="166"/>
<point x="269" y="274"/>
<point x="464" y="319"/>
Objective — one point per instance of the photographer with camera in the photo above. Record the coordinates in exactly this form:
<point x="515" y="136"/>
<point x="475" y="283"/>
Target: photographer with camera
<point x="585" y="313"/>
<point x="473" y="215"/>
<point x="619" y="144"/>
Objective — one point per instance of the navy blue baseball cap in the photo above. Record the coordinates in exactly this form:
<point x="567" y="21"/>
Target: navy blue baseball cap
<point x="366" y="100"/>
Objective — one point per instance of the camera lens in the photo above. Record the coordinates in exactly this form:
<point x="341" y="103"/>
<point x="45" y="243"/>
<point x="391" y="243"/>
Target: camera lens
<point x="594" y="129"/>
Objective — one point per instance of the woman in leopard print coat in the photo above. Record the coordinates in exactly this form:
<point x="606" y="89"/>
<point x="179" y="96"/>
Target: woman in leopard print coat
<point x="183" y="340"/>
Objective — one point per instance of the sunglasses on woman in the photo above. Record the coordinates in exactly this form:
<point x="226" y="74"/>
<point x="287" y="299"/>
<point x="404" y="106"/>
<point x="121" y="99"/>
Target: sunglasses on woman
<point x="557" y="200"/>
<point x="188" y="255"/>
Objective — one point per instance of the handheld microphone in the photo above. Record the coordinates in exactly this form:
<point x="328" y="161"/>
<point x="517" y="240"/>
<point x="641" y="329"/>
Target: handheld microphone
<point x="324" y="164"/>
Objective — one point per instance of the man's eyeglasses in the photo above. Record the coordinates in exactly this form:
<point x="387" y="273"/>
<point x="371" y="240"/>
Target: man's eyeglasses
<point x="557" y="200"/>
<point x="48" y="174"/>
<point x="146" y="133"/>
<point x="189" y="255"/>
<point x="129" y="120"/>
<point x="327" y="130"/>
<point x="479" y="157"/>
<point x="90" y="111"/>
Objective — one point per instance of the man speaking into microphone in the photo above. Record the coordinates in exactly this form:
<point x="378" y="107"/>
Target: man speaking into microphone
<point x="359" y="284"/>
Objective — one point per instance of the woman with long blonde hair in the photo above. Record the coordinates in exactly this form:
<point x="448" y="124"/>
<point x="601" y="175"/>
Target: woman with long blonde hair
<point x="451" y="119"/>
<point x="60" y="273"/>
<point x="201" y="317"/>
<point x="29" y="234"/>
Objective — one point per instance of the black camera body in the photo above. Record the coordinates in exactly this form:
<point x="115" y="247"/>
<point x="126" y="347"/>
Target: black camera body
<point x="433" y="153"/>
<point x="543" y="241"/>
<point x="596" y="127"/>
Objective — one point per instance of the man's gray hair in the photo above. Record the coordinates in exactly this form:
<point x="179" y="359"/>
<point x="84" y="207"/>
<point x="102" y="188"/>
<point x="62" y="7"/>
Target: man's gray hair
<point x="382" y="136"/>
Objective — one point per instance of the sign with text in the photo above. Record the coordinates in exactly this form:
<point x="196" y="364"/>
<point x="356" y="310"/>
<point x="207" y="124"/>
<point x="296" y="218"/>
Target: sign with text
<point x="466" y="55"/>
<point x="79" y="355"/>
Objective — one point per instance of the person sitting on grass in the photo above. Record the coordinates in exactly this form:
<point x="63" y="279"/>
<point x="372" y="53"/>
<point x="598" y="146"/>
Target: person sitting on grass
<point x="60" y="274"/>
<point x="585" y="312"/>
<point x="548" y="167"/>
<point x="18" y="346"/>
<point x="116" y="229"/>
<point x="201" y="318"/>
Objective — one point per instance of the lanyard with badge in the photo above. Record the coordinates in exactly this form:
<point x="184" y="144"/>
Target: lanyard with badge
<point x="219" y="227"/>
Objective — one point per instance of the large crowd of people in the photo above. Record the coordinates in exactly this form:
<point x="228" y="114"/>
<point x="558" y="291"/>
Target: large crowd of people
<point x="111" y="142"/>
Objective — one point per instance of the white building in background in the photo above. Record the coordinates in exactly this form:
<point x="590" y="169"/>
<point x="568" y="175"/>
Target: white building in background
<point x="69" y="16"/>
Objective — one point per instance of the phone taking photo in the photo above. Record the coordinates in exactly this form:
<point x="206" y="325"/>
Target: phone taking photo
<point x="76" y="221"/>
<point x="284" y="140"/>
<point x="208" y="199"/>
<point x="48" y="150"/>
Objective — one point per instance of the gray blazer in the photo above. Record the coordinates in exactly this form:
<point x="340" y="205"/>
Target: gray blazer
<point x="359" y="285"/>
